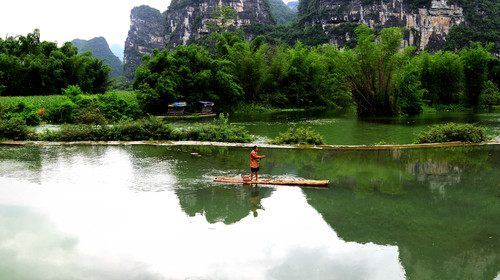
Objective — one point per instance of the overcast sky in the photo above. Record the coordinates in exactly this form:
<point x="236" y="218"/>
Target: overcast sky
<point x="64" y="20"/>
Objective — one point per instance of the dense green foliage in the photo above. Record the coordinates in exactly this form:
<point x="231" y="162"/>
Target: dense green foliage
<point x="450" y="132"/>
<point x="187" y="74"/>
<point x="475" y="60"/>
<point x="299" y="135"/>
<point x="375" y="76"/>
<point x="74" y="106"/>
<point x="442" y="76"/>
<point x="31" y="67"/>
<point x="370" y="69"/>
<point x="231" y="70"/>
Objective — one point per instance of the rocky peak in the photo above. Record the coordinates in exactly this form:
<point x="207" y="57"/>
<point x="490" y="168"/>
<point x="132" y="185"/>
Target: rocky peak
<point x="183" y="22"/>
<point x="146" y="33"/>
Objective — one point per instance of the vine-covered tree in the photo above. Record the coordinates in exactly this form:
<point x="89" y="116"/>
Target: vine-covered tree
<point x="222" y="18"/>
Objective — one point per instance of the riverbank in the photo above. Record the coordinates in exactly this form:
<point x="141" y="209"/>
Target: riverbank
<point x="249" y="145"/>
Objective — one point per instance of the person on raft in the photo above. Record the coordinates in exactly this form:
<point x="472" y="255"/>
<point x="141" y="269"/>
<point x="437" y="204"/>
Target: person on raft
<point x="254" y="163"/>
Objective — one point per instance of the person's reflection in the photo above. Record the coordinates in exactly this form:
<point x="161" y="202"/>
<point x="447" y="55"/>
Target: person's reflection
<point x="255" y="200"/>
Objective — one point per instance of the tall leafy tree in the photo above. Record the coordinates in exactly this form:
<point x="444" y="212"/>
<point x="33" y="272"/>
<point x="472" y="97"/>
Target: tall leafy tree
<point x="475" y="60"/>
<point x="251" y="69"/>
<point x="441" y="76"/>
<point x="370" y="68"/>
<point x="186" y="74"/>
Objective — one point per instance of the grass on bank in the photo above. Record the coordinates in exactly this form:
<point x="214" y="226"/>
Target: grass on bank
<point x="151" y="128"/>
<point x="51" y="101"/>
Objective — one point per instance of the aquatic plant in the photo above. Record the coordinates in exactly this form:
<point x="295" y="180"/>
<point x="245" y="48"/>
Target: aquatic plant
<point x="450" y="132"/>
<point x="299" y="135"/>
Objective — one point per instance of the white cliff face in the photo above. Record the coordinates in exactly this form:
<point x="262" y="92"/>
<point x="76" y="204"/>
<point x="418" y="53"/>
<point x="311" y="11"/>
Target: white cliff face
<point x="187" y="20"/>
<point x="427" y="27"/>
<point x="436" y="21"/>
<point x="145" y="34"/>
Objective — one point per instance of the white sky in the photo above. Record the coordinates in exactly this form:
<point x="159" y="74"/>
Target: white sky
<point x="64" y="20"/>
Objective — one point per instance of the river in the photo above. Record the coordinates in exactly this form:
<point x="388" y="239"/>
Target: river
<point x="153" y="212"/>
<point x="343" y="127"/>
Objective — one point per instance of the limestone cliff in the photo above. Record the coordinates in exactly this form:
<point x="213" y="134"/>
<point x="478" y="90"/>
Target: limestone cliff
<point x="183" y="22"/>
<point x="146" y="33"/>
<point x="186" y="20"/>
<point x="428" y="27"/>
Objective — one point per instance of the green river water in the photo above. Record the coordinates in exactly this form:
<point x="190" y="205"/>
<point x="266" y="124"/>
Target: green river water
<point x="153" y="212"/>
<point x="345" y="128"/>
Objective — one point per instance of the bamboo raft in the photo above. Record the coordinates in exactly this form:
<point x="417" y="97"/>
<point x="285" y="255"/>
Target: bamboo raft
<point x="310" y="183"/>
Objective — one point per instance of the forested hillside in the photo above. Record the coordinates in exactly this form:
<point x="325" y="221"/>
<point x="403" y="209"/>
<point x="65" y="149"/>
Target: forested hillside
<point x="482" y="24"/>
<point x="100" y="49"/>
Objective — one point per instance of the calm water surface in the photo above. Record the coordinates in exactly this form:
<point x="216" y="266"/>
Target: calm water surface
<point x="153" y="212"/>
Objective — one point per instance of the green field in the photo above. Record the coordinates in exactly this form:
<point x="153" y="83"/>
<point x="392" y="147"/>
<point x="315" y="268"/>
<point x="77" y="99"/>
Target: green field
<point x="51" y="101"/>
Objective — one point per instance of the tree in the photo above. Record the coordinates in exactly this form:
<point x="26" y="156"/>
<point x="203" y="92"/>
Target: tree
<point x="475" y="60"/>
<point x="222" y="18"/>
<point x="186" y="74"/>
<point x="441" y="76"/>
<point x="249" y="58"/>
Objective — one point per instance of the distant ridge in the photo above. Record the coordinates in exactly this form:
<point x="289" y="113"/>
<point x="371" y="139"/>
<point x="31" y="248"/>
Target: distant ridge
<point x="282" y="14"/>
<point x="293" y="5"/>
<point x="100" y="49"/>
<point x="118" y="51"/>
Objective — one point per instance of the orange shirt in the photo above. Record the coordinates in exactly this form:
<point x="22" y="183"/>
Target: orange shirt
<point x="254" y="159"/>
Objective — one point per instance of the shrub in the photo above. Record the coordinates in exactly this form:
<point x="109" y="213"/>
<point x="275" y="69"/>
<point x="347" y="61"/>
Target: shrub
<point x="450" y="132"/>
<point x="116" y="108"/>
<point x="64" y="112"/>
<point x="14" y="129"/>
<point x="131" y="131"/>
<point x="490" y="95"/>
<point x="72" y="91"/>
<point x="146" y="129"/>
<point x="90" y="114"/>
<point x="23" y="111"/>
<point x="299" y="135"/>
